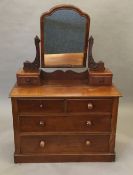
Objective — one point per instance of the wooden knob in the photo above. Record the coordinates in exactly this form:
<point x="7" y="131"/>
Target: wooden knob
<point x="101" y="80"/>
<point x="41" y="105"/>
<point x="42" y="123"/>
<point x="90" y="106"/>
<point x="88" y="123"/>
<point x="28" y="80"/>
<point x="87" y="142"/>
<point x="42" y="144"/>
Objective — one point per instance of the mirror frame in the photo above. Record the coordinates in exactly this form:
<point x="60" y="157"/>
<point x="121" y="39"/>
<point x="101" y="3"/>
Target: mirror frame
<point x="49" y="13"/>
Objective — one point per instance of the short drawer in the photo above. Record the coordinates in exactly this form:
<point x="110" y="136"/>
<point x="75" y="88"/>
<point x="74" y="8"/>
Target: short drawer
<point x="83" y="123"/>
<point x="100" y="80"/>
<point x="64" y="144"/>
<point x="89" y="105"/>
<point x="40" y="106"/>
<point x="23" y="81"/>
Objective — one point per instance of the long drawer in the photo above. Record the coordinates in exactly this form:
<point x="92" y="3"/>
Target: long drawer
<point x="64" y="105"/>
<point x="71" y="123"/>
<point x="64" y="144"/>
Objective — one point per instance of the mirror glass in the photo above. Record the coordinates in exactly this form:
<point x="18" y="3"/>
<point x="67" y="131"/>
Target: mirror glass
<point x="64" y="39"/>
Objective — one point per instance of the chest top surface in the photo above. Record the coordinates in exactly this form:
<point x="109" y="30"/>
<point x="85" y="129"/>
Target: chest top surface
<point x="64" y="91"/>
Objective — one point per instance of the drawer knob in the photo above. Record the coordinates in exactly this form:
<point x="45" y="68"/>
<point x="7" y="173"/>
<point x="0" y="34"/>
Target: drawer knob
<point x="42" y="144"/>
<point x="28" y="80"/>
<point x="101" y="80"/>
<point x="90" y="106"/>
<point x="41" y="105"/>
<point x="42" y="123"/>
<point x="87" y="142"/>
<point x="88" y="123"/>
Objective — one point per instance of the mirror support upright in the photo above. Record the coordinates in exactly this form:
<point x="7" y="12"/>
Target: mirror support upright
<point x="99" y="66"/>
<point x="35" y="65"/>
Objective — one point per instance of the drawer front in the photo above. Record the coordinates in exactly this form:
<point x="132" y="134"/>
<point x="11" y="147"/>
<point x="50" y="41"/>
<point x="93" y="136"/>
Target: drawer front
<point x="28" y="81"/>
<point x="100" y="80"/>
<point x="89" y="105"/>
<point x="85" y="123"/>
<point x="65" y="144"/>
<point x="40" y="106"/>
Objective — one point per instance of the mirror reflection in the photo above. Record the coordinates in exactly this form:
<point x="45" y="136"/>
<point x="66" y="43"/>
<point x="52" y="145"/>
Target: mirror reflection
<point x="64" y="39"/>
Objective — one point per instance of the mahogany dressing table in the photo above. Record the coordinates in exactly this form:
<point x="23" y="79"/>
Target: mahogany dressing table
<point x="64" y="116"/>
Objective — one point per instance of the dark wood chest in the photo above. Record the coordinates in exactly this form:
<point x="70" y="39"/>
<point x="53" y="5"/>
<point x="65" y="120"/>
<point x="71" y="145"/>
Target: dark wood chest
<point x="60" y="124"/>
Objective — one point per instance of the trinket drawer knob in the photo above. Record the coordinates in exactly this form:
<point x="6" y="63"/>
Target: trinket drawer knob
<point x="28" y="80"/>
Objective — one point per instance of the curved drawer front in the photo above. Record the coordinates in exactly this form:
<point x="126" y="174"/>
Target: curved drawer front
<point x="84" y="123"/>
<point x="40" y="106"/>
<point x="64" y="144"/>
<point x="89" y="105"/>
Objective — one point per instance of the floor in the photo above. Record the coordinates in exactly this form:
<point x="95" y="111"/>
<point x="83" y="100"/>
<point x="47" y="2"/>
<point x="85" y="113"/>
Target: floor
<point x="124" y="150"/>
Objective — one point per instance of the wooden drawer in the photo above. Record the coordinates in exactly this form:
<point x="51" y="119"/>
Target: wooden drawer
<point x="64" y="144"/>
<point x="40" y="106"/>
<point x="23" y="81"/>
<point x="100" y="81"/>
<point x="83" y="123"/>
<point x="25" y="78"/>
<point x="89" y="105"/>
<point x="103" y="78"/>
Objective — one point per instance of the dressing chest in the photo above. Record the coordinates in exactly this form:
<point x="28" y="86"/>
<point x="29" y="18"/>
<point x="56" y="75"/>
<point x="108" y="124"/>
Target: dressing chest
<point x="64" y="116"/>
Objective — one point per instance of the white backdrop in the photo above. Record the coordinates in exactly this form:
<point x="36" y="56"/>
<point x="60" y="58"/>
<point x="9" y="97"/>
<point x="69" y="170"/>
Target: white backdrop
<point x="112" y="28"/>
